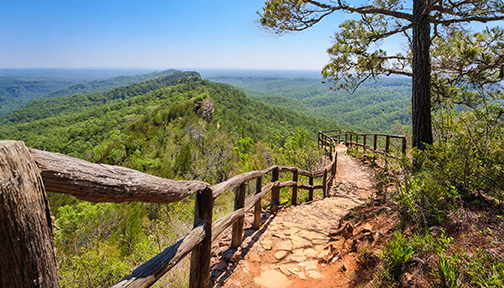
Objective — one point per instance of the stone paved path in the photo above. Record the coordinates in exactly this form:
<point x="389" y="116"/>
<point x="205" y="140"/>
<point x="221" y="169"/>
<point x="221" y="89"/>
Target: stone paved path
<point x="292" y="249"/>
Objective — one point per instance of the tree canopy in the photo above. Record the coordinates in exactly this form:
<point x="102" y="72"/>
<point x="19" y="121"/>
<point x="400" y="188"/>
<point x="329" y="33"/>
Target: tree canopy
<point x="461" y="60"/>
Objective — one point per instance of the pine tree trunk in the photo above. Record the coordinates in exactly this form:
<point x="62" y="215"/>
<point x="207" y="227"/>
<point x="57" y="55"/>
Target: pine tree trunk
<point x="421" y="100"/>
<point x="27" y="254"/>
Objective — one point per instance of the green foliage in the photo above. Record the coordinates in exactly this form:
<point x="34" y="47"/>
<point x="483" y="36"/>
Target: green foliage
<point x="183" y="161"/>
<point x="374" y="106"/>
<point x="399" y="250"/>
<point x="397" y="253"/>
<point x="16" y="91"/>
<point x="483" y="269"/>
<point x="448" y="271"/>
<point x="301" y="150"/>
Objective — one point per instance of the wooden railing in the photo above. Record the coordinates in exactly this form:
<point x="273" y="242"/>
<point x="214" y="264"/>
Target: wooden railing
<point x="378" y="143"/>
<point x="105" y="183"/>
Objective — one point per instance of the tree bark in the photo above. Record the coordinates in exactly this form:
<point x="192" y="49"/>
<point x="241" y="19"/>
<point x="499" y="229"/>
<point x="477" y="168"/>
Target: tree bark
<point x="26" y="240"/>
<point x="421" y="100"/>
<point x="200" y="257"/>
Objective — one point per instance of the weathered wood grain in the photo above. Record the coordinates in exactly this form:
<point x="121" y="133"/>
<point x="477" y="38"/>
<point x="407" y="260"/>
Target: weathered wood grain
<point x="225" y="221"/>
<point x="105" y="183"/>
<point x="237" y="232"/>
<point x="199" y="275"/>
<point x="27" y="254"/>
<point x="257" y="207"/>
<point x="149" y="272"/>
<point x="294" y="188"/>
<point x="275" y="191"/>
<point x="238" y="179"/>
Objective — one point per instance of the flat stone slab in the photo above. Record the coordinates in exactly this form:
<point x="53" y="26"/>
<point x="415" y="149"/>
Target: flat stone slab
<point x="272" y="279"/>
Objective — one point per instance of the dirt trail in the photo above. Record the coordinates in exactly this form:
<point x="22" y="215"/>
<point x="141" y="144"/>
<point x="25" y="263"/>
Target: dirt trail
<point x="297" y="247"/>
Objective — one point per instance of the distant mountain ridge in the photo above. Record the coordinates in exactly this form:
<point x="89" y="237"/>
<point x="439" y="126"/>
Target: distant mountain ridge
<point x="106" y="84"/>
<point x="17" y="89"/>
<point x="42" y="108"/>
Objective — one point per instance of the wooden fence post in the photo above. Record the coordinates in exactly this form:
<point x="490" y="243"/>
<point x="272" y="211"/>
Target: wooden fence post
<point x="257" y="207"/>
<point x="26" y="239"/>
<point x="275" y="191"/>
<point x="200" y="259"/>
<point x="335" y="162"/>
<point x="237" y="233"/>
<point x="365" y="143"/>
<point x="375" y="142"/>
<point x="295" y="187"/>
<point x="403" y="145"/>
<point x="310" y="191"/>
<point x="324" y="186"/>
<point x="387" y="144"/>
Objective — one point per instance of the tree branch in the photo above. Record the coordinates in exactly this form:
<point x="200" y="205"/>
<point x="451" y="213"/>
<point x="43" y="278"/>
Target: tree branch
<point x="362" y="10"/>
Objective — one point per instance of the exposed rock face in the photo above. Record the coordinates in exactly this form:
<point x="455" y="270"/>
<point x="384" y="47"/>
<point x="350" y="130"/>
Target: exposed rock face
<point x="205" y="108"/>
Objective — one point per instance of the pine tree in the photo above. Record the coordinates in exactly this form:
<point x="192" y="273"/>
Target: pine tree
<point x="354" y="58"/>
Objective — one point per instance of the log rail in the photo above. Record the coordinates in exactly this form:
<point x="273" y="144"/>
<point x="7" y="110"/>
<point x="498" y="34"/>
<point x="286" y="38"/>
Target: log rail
<point x="368" y="141"/>
<point x="105" y="183"/>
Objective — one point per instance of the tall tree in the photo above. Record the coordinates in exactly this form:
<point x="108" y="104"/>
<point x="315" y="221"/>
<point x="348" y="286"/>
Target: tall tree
<point x="356" y="57"/>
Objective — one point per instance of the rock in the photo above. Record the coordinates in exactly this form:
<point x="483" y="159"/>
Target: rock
<point x="288" y="269"/>
<point x="219" y="266"/>
<point x="310" y="253"/>
<point x="253" y="257"/>
<point x="234" y="284"/>
<point x="302" y="276"/>
<point x="228" y="254"/>
<point x="298" y="258"/>
<point x="216" y="273"/>
<point x="299" y="242"/>
<point x="311" y="235"/>
<point x="310" y="265"/>
<point x="246" y="267"/>
<point x="281" y="254"/>
<point x="346" y="231"/>
<point x="315" y="275"/>
<point x="220" y="250"/>
<point x="235" y="257"/>
<point x="324" y="255"/>
<point x="266" y="244"/>
<point x="284" y="245"/>
<point x="272" y="279"/>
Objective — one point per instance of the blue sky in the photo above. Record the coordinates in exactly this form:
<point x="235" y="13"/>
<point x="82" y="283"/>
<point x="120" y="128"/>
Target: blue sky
<point x="154" y="34"/>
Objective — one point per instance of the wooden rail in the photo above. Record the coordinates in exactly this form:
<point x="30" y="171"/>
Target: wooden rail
<point x="105" y="183"/>
<point x="350" y="138"/>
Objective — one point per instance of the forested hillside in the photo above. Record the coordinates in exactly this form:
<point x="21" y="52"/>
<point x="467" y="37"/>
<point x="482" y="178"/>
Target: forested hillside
<point x="375" y="105"/>
<point x="19" y="87"/>
<point x="73" y="124"/>
<point x="175" y="126"/>
<point x="15" y="91"/>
